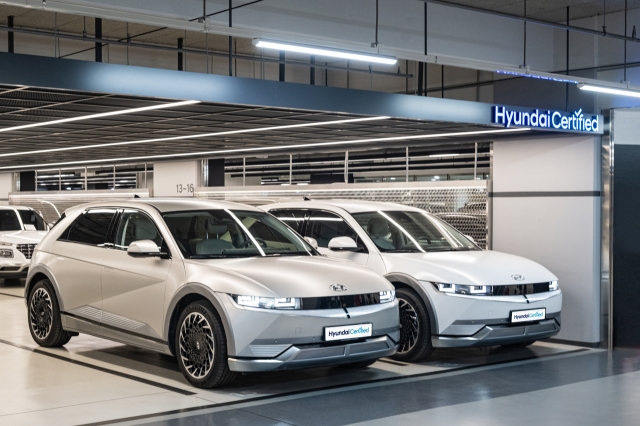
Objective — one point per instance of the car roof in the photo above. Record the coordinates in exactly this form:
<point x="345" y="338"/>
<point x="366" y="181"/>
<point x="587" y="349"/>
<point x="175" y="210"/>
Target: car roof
<point x="351" y="206"/>
<point x="15" y="208"/>
<point x="171" y="204"/>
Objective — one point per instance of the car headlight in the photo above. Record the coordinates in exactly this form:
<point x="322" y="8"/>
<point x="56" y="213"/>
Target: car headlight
<point x="387" y="296"/>
<point x="268" y="302"/>
<point x="553" y="286"/>
<point x="463" y="289"/>
<point x="6" y="244"/>
<point x="6" y="253"/>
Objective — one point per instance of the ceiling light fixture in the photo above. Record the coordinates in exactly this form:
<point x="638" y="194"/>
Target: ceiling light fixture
<point x="279" y="148"/>
<point x="201" y="135"/>
<point x="103" y="114"/>
<point x="609" y="90"/>
<point x="444" y="155"/>
<point x="324" y="51"/>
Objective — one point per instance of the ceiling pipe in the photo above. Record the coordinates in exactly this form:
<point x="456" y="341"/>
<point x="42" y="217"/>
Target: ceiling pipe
<point x="536" y="21"/>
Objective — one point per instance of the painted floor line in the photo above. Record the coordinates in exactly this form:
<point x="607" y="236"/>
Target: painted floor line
<point x="102" y="369"/>
<point x="333" y="387"/>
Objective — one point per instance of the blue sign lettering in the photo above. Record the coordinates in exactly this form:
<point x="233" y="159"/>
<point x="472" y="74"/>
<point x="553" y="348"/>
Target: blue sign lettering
<point x="558" y="120"/>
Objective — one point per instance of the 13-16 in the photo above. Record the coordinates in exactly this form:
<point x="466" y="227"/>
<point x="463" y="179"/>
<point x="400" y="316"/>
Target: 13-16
<point x="184" y="188"/>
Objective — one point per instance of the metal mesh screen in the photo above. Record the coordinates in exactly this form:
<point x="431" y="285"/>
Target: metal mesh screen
<point x="51" y="205"/>
<point x="463" y="207"/>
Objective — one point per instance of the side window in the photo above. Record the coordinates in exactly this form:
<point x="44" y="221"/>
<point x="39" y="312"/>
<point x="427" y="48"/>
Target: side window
<point x="292" y="217"/>
<point x="324" y="226"/>
<point x="90" y="228"/>
<point x="136" y="226"/>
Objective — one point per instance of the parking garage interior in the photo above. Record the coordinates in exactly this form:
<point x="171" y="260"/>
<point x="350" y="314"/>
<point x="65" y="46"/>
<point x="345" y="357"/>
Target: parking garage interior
<point x="104" y="102"/>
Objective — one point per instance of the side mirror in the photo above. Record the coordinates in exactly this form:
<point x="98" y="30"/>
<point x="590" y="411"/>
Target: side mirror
<point x="343" y="244"/>
<point x="144" y="248"/>
<point x="312" y="242"/>
<point x="29" y="227"/>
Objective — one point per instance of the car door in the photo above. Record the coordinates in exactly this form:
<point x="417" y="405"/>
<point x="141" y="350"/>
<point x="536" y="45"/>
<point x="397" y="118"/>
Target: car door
<point x="76" y="264"/>
<point x="133" y="288"/>
<point x="324" y="226"/>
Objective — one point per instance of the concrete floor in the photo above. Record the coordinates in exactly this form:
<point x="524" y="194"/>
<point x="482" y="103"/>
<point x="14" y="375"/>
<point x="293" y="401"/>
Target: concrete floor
<point x="92" y="381"/>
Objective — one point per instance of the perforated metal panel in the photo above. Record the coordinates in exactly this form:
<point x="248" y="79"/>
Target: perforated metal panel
<point x="463" y="207"/>
<point x="51" y="205"/>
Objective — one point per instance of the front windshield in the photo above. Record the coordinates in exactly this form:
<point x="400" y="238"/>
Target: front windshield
<point x="9" y="221"/>
<point x="29" y="217"/>
<point x="208" y="234"/>
<point x="408" y="231"/>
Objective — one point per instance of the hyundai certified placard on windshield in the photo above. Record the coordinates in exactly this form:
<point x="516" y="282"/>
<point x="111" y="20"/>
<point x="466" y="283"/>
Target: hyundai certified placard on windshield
<point x="528" y="315"/>
<point x="344" y="332"/>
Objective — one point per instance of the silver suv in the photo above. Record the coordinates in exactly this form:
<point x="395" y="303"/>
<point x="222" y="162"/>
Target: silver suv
<point x="223" y="287"/>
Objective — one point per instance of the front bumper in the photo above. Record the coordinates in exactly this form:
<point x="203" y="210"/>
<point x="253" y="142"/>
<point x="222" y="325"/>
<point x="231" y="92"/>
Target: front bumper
<point x="318" y="355"/>
<point x="264" y="340"/>
<point x="13" y="269"/>
<point x="492" y="335"/>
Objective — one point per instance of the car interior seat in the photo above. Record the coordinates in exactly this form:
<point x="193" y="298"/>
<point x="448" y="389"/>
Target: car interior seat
<point x="378" y="230"/>
<point x="214" y="245"/>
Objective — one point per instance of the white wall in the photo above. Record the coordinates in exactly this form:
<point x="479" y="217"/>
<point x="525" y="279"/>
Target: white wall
<point x="560" y="232"/>
<point x="176" y="178"/>
<point x="6" y="186"/>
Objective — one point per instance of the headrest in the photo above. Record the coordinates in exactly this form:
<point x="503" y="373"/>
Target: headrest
<point x="378" y="227"/>
<point x="216" y="228"/>
<point x="144" y="229"/>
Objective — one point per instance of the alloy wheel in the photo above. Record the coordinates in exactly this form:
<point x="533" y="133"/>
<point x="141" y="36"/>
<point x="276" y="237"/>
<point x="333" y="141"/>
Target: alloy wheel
<point x="41" y="313"/>
<point x="196" y="345"/>
<point x="409" y="327"/>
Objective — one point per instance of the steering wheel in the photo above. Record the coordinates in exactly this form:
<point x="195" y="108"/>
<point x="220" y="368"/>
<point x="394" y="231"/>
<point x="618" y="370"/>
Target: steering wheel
<point x="249" y="242"/>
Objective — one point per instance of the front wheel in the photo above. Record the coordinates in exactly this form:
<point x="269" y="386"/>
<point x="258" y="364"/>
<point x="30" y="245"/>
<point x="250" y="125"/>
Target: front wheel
<point x="45" y="324"/>
<point x="201" y="347"/>
<point x="415" y="327"/>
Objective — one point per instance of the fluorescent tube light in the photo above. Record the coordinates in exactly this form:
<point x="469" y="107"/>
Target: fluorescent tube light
<point x="201" y="135"/>
<point x="444" y="155"/>
<point x="324" y="51"/>
<point x="608" y="90"/>
<point x="278" y="148"/>
<point x="104" y="114"/>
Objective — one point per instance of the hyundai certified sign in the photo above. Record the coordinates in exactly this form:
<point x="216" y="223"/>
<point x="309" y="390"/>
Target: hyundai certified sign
<point x="347" y="332"/>
<point x="563" y="121"/>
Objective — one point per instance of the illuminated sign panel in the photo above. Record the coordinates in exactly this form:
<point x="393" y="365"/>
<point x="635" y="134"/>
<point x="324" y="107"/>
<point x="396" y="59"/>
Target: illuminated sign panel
<point x="547" y="119"/>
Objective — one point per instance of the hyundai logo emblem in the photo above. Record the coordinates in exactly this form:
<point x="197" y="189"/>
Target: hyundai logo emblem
<point x="517" y="277"/>
<point x="338" y="287"/>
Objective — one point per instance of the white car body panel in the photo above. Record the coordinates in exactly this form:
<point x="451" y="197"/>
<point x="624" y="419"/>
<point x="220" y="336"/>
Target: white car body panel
<point x="453" y="313"/>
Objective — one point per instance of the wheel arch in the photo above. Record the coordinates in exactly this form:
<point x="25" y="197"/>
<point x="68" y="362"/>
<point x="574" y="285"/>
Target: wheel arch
<point x="400" y="280"/>
<point x="37" y="273"/>
<point x="182" y="298"/>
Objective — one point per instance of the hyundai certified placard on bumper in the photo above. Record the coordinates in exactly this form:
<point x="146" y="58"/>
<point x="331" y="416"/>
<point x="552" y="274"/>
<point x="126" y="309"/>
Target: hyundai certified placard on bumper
<point x="529" y="315"/>
<point x="345" y="332"/>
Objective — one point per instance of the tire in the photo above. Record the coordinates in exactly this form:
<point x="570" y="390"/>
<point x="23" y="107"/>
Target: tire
<point x="359" y="365"/>
<point x="519" y="344"/>
<point x="415" y="327"/>
<point x="201" y="346"/>
<point x="43" y="316"/>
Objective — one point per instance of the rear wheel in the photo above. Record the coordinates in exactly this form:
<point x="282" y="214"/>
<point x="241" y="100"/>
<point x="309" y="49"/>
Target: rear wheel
<point x="201" y="347"/>
<point x="45" y="324"/>
<point x="415" y="327"/>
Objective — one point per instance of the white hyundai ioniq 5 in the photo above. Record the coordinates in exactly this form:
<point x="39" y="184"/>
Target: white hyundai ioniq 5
<point x="224" y="287"/>
<point x="451" y="293"/>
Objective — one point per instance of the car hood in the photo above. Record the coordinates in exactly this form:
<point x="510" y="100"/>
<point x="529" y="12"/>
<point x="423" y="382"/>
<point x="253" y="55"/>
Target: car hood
<point x="303" y="276"/>
<point x="468" y="267"/>
<point x="22" y="237"/>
